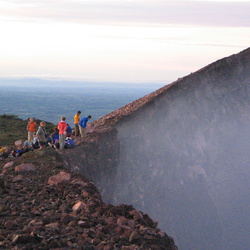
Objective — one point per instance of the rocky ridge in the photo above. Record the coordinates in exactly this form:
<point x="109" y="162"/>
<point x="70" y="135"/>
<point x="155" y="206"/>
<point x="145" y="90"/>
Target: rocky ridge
<point x="45" y="206"/>
<point x="190" y="142"/>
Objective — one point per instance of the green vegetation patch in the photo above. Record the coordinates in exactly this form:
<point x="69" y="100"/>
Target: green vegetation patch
<point x="13" y="128"/>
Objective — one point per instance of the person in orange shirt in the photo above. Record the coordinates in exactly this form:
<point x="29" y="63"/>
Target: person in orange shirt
<point x="31" y="128"/>
<point x="76" y="121"/>
<point x="62" y="127"/>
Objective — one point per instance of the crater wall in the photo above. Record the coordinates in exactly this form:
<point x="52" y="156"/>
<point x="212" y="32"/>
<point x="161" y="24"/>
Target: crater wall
<point x="181" y="154"/>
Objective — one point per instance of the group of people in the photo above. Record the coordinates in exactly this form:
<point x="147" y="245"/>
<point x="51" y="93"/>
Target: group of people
<point x="62" y="137"/>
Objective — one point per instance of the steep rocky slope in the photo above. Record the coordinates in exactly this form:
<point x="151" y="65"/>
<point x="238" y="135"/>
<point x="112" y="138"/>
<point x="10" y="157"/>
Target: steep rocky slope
<point x="45" y="206"/>
<point x="181" y="154"/>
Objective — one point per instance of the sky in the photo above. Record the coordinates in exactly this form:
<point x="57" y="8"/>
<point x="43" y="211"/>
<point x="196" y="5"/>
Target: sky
<point x="118" y="40"/>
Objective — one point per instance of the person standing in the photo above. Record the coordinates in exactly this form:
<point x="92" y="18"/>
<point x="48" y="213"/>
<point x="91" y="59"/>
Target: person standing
<point x="31" y="128"/>
<point x="41" y="135"/>
<point x="62" y="127"/>
<point x="83" y="124"/>
<point x="76" y="121"/>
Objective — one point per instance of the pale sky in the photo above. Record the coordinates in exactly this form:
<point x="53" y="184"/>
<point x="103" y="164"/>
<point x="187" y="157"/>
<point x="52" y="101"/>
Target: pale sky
<point x="119" y="40"/>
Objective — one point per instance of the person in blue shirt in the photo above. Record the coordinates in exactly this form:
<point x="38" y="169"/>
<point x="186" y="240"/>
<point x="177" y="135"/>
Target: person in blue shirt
<point x="69" y="131"/>
<point x="69" y="143"/>
<point x="82" y="125"/>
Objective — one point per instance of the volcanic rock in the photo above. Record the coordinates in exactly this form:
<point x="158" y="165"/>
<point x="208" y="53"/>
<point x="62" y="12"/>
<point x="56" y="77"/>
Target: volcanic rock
<point x="54" y="208"/>
<point x="180" y="154"/>
<point x="8" y="165"/>
<point x="59" y="178"/>
<point x="25" y="167"/>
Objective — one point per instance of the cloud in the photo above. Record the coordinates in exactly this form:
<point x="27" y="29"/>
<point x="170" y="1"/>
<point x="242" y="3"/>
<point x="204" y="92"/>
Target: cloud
<point x="203" y="13"/>
<point x="121" y="39"/>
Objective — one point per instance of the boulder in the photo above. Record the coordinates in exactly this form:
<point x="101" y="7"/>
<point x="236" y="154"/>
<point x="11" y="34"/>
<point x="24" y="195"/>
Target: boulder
<point x="134" y="237"/>
<point x="122" y="221"/>
<point x="8" y="165"/>
<point x="18" y="178"/>
<point x="25" y="167"/>
<point x="59" y="178"/>
<point x="136" y="214"/>
<point x="79" y="206"/>
<point x="35" y="224"/>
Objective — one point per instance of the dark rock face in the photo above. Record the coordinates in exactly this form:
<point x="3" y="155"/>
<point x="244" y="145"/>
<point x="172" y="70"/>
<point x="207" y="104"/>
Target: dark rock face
<point x="188" y="152"/>
<point x="97" y="158"/>
<point x="181" y="154"/>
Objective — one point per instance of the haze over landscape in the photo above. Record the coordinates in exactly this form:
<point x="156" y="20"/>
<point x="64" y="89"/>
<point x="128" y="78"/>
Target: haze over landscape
<point x="50" y="100"/>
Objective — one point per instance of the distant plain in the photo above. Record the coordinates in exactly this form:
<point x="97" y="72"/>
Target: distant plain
<point x="49" y="100"/>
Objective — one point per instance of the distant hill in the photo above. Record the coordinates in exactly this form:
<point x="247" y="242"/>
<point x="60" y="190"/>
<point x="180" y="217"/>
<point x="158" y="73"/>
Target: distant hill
<point x="39" y="83"/>
<point x="13" y="128"/>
